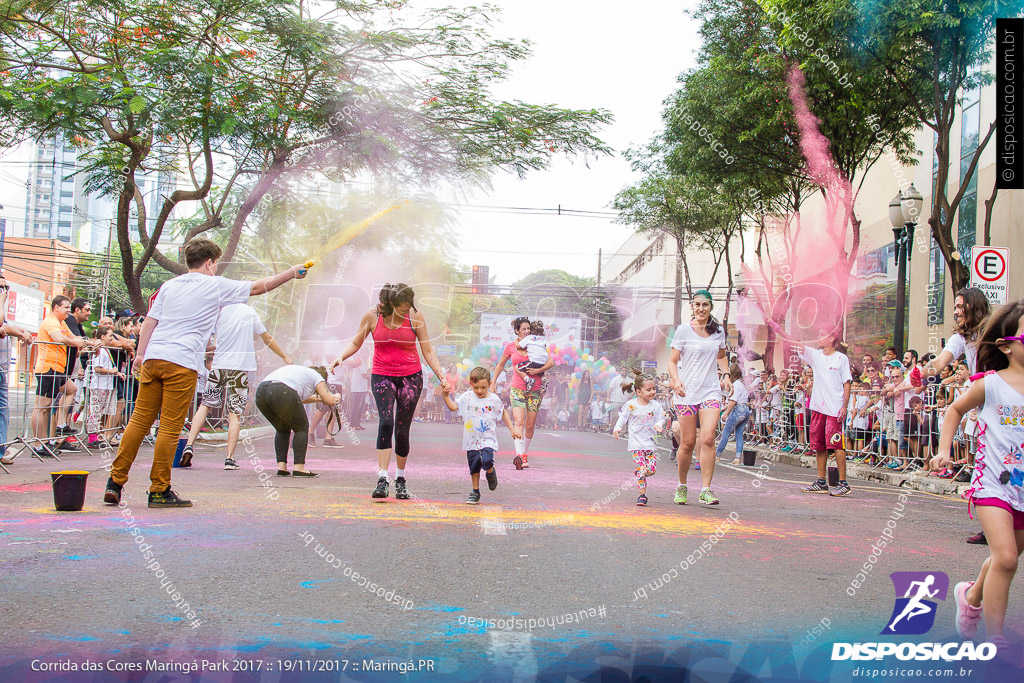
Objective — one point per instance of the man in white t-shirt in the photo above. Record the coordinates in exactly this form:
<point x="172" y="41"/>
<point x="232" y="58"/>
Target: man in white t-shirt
<point x="228" y="380"/>
<point x="169" y="354"/>
<point x="830" y="397"/>
<point x="617" y="395"/>
<point x="360" y="387"/>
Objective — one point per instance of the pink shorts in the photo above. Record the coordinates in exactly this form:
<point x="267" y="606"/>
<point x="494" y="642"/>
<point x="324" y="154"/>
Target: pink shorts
<point x="684" y="411"/>
<point x="826" y="432"/>
<point x="1018" y="516"/>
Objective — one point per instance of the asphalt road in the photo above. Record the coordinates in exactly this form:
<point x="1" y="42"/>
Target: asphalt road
<point x="556" y="576"/>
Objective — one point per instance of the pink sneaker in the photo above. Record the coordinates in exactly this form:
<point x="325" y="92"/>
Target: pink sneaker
<point x="967" y="615"/>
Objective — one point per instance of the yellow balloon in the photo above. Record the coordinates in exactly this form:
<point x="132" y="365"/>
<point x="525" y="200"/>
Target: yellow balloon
<point x="585" y="356"/>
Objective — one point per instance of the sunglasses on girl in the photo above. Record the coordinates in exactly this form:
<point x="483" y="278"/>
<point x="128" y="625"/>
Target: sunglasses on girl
<point x="1004" y="340"/>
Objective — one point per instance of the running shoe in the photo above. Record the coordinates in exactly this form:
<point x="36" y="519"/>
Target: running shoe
<point x="967" y="615"/>
<point x="70" y="445"/>
<point x="945" y="474"/>
<point x="526" y="461"/>
<point x="474" y="498"/>
<point x="708" y="497"/>
<point x="65" y="430"/>
<point x="230" y="464"/>
<point x="937" y="473"/>
<point x="978" y="539"/>
<point x="43" y="452"/>
<point x="168" y="499"/>
<point x="641" y="501"/>
<point x="492" y="479"/>
<point x="819" y="486"/>
<point x="696" y="466"/>
<point x="112" y="496"/>
<point x="787" y="449"/>
<point x="331" y="443"/>
<point x="401" y="492"/>
<point x="680" y="498"/>
<point x="840" y="489"/>
<point x="964" y="477"/>
<point x="186" y="457"/>
<point x="518" y="462"/>
<point x="382" y="488"/>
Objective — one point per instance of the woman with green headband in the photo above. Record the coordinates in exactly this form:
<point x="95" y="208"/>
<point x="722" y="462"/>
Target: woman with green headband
<point x="695" y="361"/>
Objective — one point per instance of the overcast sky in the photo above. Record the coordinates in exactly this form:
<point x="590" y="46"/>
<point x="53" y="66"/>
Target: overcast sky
<point x="586" y="55"/>
<point x="623" y="58"/>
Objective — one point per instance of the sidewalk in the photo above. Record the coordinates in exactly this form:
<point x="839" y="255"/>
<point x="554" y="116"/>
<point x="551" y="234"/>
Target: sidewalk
<point x="915" y="481"/>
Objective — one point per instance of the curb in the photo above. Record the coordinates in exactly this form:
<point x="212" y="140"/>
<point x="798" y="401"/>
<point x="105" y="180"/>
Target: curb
<point x="246" y="433"/>
<point x="914" y="482"/>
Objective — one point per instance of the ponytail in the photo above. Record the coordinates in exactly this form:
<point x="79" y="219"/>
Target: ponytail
<point x="639" y="378"/>
<point x="392" y="296"/>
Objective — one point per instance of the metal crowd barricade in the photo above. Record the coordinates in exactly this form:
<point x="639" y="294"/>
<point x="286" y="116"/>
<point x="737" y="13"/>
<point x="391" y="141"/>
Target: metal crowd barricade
<point x="24" y="414"/>
<point x="777" y="428"/>
<point x="34" y="419"/>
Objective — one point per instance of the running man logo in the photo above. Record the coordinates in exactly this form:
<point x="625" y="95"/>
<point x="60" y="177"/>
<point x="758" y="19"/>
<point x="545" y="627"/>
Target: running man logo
<point x="914" y="612"/>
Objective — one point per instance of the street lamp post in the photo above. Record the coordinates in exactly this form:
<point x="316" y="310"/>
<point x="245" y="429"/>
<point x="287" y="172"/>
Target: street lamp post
<point x="904" y="210"/>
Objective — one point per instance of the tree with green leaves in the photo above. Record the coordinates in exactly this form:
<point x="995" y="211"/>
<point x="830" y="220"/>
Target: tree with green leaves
<point x="239" y="97"/>
<point x="687" y="210"/>
<point x="932" y="52"/>
<point x="757" y="71"/>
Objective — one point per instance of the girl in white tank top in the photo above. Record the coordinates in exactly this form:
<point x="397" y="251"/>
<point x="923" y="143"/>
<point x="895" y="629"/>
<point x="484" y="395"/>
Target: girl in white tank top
<point x="997" y="483"/>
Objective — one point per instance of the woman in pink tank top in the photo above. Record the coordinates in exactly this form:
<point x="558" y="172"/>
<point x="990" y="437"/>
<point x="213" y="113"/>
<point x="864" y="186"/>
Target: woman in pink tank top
<point x="396" y="380"/>
<point x="525" y="402"/>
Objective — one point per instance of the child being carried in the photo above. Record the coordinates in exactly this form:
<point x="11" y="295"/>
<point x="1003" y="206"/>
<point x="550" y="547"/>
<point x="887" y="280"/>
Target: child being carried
<point x="536" y="348"/>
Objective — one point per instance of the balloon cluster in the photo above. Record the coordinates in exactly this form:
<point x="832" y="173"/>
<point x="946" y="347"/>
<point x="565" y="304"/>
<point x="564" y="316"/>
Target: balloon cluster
<point x="571" y="358"/>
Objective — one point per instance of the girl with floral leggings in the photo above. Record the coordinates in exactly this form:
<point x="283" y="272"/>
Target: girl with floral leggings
<point x="645" y="417"/>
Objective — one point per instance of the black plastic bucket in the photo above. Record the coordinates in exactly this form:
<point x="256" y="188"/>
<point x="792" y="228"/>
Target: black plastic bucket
<point x="749" y="457"/>
<point x="69" y="490"/>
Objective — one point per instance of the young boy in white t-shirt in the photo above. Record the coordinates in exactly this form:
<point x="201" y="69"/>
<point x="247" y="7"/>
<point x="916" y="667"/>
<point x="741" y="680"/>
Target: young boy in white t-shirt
<point x="830" y="397"/>
<point x="480" y="411"/>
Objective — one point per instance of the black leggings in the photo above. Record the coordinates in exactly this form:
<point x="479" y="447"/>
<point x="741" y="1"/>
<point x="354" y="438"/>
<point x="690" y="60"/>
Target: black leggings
<point x="280" y="404"/>
<point x="387" y="392"/>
